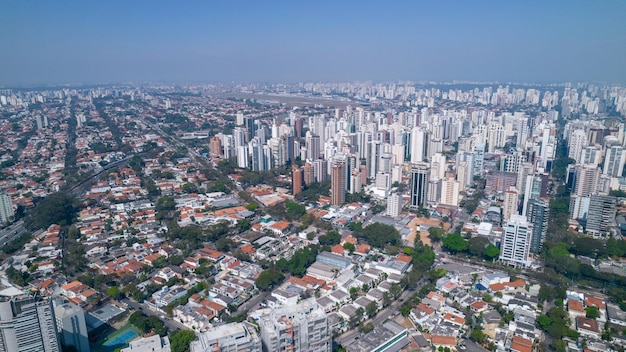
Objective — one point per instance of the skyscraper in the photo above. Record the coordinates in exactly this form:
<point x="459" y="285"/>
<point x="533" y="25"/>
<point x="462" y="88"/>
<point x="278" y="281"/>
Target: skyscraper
<point x="533" y="191"/>
<point x="614" y="161"/>
<point x="27" y="323"/>
<point x="538" y="215"/>
<point x="449" y="191"/>
<point x="296" y="179"/>
<point x="338" y="183"/>
<point x="309" y="174"/>
<point x="70" y="320"/>
<point x="419" y="185"/>
<point x="516" y="239"/>
<point x="601" y="214"/>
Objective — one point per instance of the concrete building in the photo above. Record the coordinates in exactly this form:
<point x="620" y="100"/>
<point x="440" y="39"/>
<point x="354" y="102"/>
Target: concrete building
<point x="509" y="206"/>
<point x="450" y="189"/>
<point x="302" y="327"/>
<point x="6" y="208"/>
<point x="27" y="323"/>
<point x="601" y="214"/>
<point x="394" y="205"/>
<point x="338" y="183"/>
<point x="297" y="176"/>
<point x="516" y="240"/>
<point x="228" y="338"/>
<point x="70" y="320"/>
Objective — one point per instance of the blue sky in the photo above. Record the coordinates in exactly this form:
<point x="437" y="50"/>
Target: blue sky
<point x="210" y="41"/>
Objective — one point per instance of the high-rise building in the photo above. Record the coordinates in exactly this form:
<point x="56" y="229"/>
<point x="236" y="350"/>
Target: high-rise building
<point x="313" y="146"/>
<point x="450" y="191"/>
<point x="418" y="137"/>
<point x="575" y="144"/>
<point x="301" y="327"/>
<point x="614" y="161"/>
<point x="355" y="181"/>
<point x="231" y="337"/>
<point x="6" y="207"/>
<point x="297" y="176"/>
<point x="538" y="215"/>
<point x="70" y="320"/>
<point x="215" y="146"/>
<point x="394" y="205"/>
<point x="420" y="175"/>
<point x="601" y="214"/>
<point x="320" y="169"/>
<point x="27" y="323"/>
<point x="338" y="183"/>
<point x="478" y="158"/>
<point x="587" y="180"/>
<point x="309" y="173"/>
<point x="250" y="127"/>
<point x="509" y="206"/>
<point x="516" y="239"/>
<point x="533" y="191"/>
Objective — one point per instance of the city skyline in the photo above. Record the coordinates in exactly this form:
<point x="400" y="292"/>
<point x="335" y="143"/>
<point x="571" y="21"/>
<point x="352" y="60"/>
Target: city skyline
<point x="111" y="42"/>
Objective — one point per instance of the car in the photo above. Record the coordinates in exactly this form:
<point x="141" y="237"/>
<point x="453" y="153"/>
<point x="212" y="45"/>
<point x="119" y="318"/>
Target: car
<point x="462" y="347"/>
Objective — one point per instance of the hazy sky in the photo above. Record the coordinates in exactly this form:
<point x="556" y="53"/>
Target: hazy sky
<point x="210" y="41"/>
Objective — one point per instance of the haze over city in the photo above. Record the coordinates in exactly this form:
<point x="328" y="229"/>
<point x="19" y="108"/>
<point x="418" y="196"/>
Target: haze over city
<point x="119" y="41"/>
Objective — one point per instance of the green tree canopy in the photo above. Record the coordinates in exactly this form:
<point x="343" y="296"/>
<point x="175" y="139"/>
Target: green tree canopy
<point x="455" y="243"/>
<point x="378" y="235"/>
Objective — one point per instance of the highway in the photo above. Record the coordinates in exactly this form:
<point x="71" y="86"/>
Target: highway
<point x="10" y="233"/>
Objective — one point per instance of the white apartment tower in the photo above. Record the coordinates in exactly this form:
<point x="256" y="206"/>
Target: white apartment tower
<point x="394" y="205"/>
<point x="301" y="327"/>
<point x="516" y="240"/>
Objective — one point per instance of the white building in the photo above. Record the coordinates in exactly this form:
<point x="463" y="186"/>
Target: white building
<point x="228" y="338"/>
<point x="516" y="240"/>
<point x="154" y="343"/>
<point x="303" y="327"/>
<point x="394" y="205"/>
<point x="70" y="320"/>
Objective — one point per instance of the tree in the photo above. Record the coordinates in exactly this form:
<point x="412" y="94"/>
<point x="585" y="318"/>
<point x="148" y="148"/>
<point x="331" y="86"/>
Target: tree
<point x="113" y="292"/>
<point x="330" y="239"/>
<point x="378" y="235"/>
<point x="478" y="335"/>
<point x="268" y="279"/>
<point x="349" y="247"/>
<point x="181" y="340"/>
<point x="476" y="245"/>
<point x="592" y="312"/>
<point x="436" y="233"/>
<point x="243" y="225"/>
<point x="455" y="243"/>
<point x="57" y="208"/>
<point x="371" y="309"/>
<point x="491" y="252"/>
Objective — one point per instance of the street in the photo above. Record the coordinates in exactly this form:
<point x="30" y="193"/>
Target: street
<point x="171" y="324"/>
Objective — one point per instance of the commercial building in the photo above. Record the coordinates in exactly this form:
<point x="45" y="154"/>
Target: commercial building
<point x="538" y="215"/>
<point x="27" y="323"/>
<point x="420" y="175"/>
